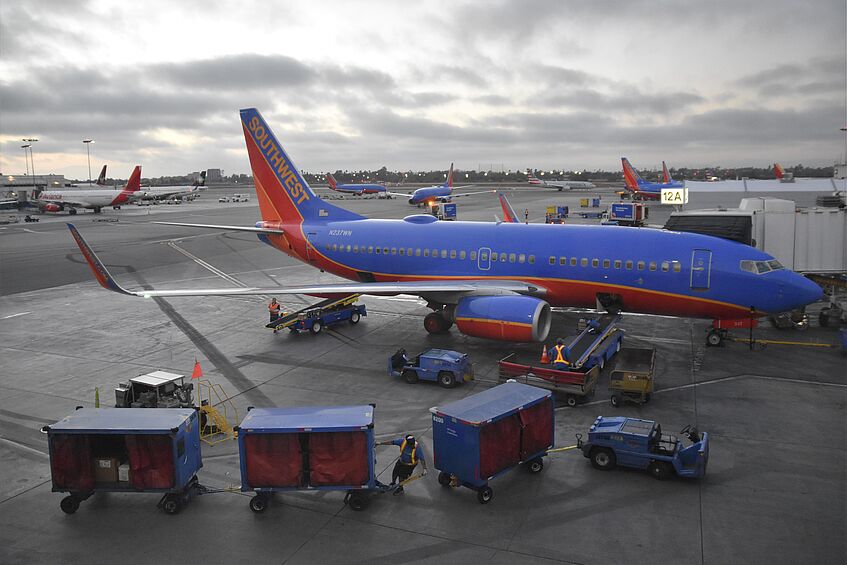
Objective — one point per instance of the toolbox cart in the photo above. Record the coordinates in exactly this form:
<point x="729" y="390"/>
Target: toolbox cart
<point x="488" y="434"/>
<point x="640" y="444"/>
<point x="109" y="450"/>
<point x="631" y="379"/>
<point x="158" y="389"/>
<point x="448" y="368"/>
<point x="308" y="448"/>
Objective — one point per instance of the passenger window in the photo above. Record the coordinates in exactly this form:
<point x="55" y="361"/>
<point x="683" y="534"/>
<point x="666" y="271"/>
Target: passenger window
<point x="583" y="262"/>
<point x="443" y="253"/>
<point x="409" y="252"/>
<point x="394" y="251"/>
<point x="573" y="261"/>
<point x="328" y="247"/>
<point x="378" y="250"/>
<point x="512" y="257"/>
<point x="595" y="263"/>
<point x="435" y="253"/>
<point x="493" y="256"/>
<point x="552" y="260"/>
<point x="348" y="249"/>
<point x="335" y="247"/>
<point x="677" y="267"/>
<point x="355" y="249"/>
<point x="426" y="252"/>
<point x="617" y="263"/>
<point x="370" y="249"/>
<point x="483" y="256"/>
<point x="532" y="259"/>
<point x="473" y="256"/>
<point x="385" y="251"/>
<point x="417" y="252"/>
<point x="629" y="265"/>
<point x="452" y="253"/>
<point x="462" y="254"/>
<point x="666" y="266"/>
<point x="606" y="263"/>
<point x="402" y="251"/>
<point x="522" y="258"/>
<point x="502" y="257"/>
<point x="563" y="261"/>
<point x="641" y="265"/>
<point x="652" y="265"/>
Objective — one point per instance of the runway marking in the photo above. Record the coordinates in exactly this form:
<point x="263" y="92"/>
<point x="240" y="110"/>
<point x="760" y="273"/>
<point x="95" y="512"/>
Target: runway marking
<point x="22" y="446"/>
<point x="16" y="315"/>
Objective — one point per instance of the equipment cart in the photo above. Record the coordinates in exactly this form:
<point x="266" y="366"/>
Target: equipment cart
<point x="308" y="448"/>
<point x="598" y="342"/>
<point x="110" y="450"/>
<point x="485" y="435"/>
<point x="447" y="367"/>
<point x="632" y="377"/>
<point x="571" y="386"/>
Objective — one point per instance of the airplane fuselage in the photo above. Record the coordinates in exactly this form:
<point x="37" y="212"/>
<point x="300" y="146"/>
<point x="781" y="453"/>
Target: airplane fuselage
<point x="430" y="194"/>
<point x="84" y="198"/>
<point x="359" y="189"/>
<point x="669" y="273"/>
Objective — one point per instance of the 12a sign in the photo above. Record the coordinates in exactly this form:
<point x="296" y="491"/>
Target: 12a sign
<point x="674" y="196"/>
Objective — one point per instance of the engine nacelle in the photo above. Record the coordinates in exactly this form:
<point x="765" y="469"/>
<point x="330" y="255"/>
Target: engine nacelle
<point x="50" y="207"/>
<point x="505" y="317"/>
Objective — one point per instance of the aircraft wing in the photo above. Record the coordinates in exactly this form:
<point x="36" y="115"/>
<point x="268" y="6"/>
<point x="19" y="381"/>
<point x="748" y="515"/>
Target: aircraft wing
<point x="107" y="281"/>
<point x="454" y="195"/>
<point x="401" y="194"/>
<point x="219" y="227"/>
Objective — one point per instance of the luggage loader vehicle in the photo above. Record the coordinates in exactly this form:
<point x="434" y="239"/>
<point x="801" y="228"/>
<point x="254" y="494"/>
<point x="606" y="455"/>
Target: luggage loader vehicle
<point x="448" y="368"/>
<point x="640" y="444"/>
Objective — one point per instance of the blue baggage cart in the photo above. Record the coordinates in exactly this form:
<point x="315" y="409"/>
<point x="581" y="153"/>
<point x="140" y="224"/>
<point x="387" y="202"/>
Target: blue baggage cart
<point x="485" y="435"/>
<point x="308" y="448"/>
<point x="113" y="450"/>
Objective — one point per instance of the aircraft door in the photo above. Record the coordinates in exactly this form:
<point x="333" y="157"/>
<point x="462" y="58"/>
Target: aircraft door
<point x="701" y="269"/>
<point x="483" y="260"/>
<point x="310" y="249"/>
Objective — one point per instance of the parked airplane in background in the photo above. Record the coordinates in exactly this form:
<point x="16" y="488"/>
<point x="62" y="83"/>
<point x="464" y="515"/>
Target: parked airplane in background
<point x="94" y="199"/>
<point x="494" y="280"/>
<point x="781" y="174"/>
<point x="440" y="193"/>
<point x="164" y="192"/>
<point x="560" y="184"/>
<point x="357" y="189"/>
<point x="640" y="188"/>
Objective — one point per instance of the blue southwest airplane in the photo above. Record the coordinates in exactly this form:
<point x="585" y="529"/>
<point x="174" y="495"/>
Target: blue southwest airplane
<point x="439" y="193"/>
<point x="643" y="189"/>
<point x="495" y="280"/>
<point x="357" y="189"/>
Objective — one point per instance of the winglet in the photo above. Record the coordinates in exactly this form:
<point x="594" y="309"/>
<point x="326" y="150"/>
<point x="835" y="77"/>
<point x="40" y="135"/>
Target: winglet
<point x="103" y="276"/>
<point x="508" y="212"/>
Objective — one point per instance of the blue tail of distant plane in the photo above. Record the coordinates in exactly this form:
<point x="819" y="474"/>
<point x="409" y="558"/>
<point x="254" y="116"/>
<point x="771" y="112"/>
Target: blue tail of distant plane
<point x="283" y="194"/>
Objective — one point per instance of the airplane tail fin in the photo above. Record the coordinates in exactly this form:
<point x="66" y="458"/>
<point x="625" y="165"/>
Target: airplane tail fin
<point x="509" y="214"/>
<point x="778" y="171"/>
<point x="330" y="180"/>
<point x="283" y="194"/>
<point x="666" y="175"/>
<point x="101" y="180"/>
<point x="631" y="177"/>
<point x="202" y="181"/>
<point x="449" y="182"/>
<point x="134" y="182"/>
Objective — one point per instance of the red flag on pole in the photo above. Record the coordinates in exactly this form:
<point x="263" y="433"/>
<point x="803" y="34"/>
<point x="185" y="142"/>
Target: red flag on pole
<point x="198" y="372"/>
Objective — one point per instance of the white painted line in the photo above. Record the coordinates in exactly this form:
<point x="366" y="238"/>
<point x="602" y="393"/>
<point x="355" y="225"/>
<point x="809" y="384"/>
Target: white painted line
<point x="16" y="315"/>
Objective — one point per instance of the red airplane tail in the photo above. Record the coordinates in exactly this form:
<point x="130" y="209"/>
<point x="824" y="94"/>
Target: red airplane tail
<point x="331" y="181"/>
<point x="778" y="171"/>
<point x="101" y="180"/>
<point x="134" y="182"/>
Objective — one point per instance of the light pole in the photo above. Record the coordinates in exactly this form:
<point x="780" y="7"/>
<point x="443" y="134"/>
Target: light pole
<point x="26" y="157"/>
<point x="88" y="143"/>
<point x="30" y="141"/>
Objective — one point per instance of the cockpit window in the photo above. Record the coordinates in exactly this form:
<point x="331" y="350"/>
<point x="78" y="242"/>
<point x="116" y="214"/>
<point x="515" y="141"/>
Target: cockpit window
<point x="760" y="267"/>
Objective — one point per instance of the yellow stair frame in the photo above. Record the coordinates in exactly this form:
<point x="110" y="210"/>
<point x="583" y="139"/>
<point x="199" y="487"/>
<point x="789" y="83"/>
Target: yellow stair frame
<point x="219" y="410"/>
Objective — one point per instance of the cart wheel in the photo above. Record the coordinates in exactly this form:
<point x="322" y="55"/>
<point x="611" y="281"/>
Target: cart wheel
<point x="570" y="400"/>
<point x="659" y="469"/>
<point x="172" y="504"/>
<point x="316" y="327"/>
<point x="603" y="458"/>
<point x="484" y="495"/>
<point x="615" y="400"/>
<point x="355" y="317"/>
<point x="446" y="379"/>
<point x="713" y="339"/>
<point x="69" y="504"/>
<point x="358" y="502"/>
<point x="259" y="503"/>
<point x="411" y="376"/>
<point x="444" y="479"/>
<point x="535" y="466"/>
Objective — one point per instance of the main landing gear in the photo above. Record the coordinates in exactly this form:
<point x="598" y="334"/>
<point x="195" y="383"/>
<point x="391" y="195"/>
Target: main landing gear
<point x="438" y="322"/>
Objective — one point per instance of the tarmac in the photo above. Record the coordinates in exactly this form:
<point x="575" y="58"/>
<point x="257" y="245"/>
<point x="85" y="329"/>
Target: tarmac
<point x="774" y="491"/>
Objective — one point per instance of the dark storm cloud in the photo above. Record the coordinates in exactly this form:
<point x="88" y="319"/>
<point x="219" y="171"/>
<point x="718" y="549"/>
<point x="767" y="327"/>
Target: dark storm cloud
<point x="821" y="76"/>
<point x="630" y="101"/>
<point x="235" y="72"/>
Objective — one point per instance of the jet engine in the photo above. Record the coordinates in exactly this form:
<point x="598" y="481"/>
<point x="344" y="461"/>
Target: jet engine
<point x="506" y="318"/>
<point x="50" y="207"/>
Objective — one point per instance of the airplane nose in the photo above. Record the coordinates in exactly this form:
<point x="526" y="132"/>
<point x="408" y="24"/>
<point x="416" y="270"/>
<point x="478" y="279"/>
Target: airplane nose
<point x="803" y="291"/>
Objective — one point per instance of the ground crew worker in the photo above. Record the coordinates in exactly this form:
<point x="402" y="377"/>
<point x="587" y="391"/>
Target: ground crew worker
<point x="410" y="455"/>
<point x="561" y="356"/>
<point x="273" y="309"/>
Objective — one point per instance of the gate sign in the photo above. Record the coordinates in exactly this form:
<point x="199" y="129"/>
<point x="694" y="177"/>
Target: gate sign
<point x="674" y="196"/>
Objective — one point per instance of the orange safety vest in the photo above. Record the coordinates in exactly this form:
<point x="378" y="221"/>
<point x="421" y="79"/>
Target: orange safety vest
<point x="413" y="454"/>
<point x="274" y="308"/>
<point x="559" y="357"/>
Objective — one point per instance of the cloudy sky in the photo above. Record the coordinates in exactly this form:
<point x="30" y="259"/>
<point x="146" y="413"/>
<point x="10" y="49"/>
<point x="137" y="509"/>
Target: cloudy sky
<point x="416" y="85"/>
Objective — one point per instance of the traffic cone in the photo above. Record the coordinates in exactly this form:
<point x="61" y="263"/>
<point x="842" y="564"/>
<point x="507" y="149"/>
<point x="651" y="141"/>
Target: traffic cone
<point x="544" y="359"/>
<point x="97" y="397"/>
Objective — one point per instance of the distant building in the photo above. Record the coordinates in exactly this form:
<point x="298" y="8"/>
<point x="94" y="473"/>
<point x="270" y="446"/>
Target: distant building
<point x="214" y="175"/>
<point x="12" y="182"/>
